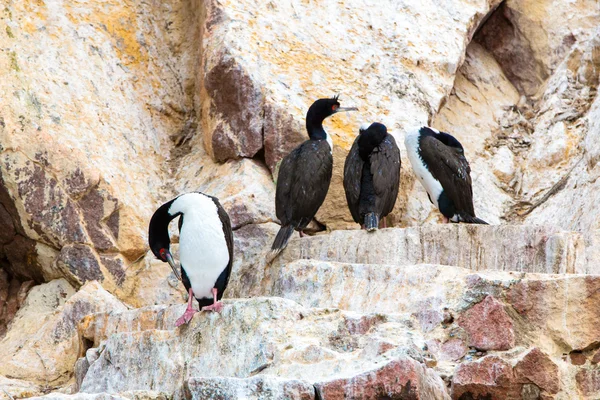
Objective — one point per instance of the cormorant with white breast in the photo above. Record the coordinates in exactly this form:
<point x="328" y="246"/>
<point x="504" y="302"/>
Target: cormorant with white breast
<point x="372" y="176"/>
<point x="304" y="175"/>
<point x="205" y="247"/>
<point x="438" y="160"/>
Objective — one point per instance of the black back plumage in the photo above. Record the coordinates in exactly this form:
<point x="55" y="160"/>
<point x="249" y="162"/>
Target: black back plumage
<point x="304" y="175"/>
<point x="372" y="173"/>
<point x="444" y="157"/>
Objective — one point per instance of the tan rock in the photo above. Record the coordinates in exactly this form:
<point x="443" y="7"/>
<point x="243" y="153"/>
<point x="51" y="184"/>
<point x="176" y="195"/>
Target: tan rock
<point x="255" y="388"/>
<point x="529" y="40"/>
<point x="259" y="77"/>
<point x="83" y="149"/>
<point x="131" y="395"/>
<point x="273" y="336"/>
<point x="244" y="187"/>
<point x="14" y="388"/>
<point x="521" y="248"/>
<point x="547" y="303"/>
<point x="41" y="344"/>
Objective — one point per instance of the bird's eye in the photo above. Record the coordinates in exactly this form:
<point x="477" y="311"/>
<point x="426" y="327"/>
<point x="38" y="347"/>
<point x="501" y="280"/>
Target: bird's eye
<point x="334" y="107"/>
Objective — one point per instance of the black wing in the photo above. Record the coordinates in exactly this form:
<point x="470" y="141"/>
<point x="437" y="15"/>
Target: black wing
<point x="302" y="183"/>
<point x="352" y="177"/>
<point x="450" y="167"/>
<point x="226" y="222"/>
<point x="385" y="167"/>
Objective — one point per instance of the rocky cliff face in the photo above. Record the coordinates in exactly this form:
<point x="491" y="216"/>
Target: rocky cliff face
<point x="111" y="107"/>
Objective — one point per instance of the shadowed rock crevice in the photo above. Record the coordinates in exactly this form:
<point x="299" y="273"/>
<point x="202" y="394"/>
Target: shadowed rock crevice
<point x="512" y="49"/>
<point x="13" y="293"/>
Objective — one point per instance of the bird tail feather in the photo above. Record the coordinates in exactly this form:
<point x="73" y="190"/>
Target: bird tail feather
<point x="472" y="220"/>
<point x="371" y="222"/>
<point x="281" y="240"/>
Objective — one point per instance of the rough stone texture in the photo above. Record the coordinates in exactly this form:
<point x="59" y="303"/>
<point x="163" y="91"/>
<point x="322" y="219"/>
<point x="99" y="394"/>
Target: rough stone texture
<point x="404" y="378"/>
<point x="280" y="338"/>
<point x="255" y="388"/>
<point x="130" y="395"/>
<point x="481" y="93"/>
<point x="488" y="326"/>
<point x="588" y="382"/>
<point x="518" y="248"/>
<point x="267" y="79"/>
<point x="87" y="154"/>
<point x="41" y="345"/>
<point x="13" y="293"/>
<point x="596" y="358"/>
<point x="546" y="304"/>
<point x="537" y="368"/>
<point x="489" y="378"/>
<point x="529" y="40"/>
<point x="244" y="187"/>
<point x="83" y="150"/>
<point x="493" y="378"/>
<point x="17" y="388"/>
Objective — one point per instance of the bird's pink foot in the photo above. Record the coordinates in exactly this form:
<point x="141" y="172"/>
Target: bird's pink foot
<point x="446" y="220"/>
<point x="189" y="311"/>
<point x="301" y="234"/>
<point x="186" y="317"/>
<point x="216" y="307"/>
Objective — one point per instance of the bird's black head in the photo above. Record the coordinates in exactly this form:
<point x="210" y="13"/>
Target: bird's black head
<point x="443" y="137"/>
<point x="320" y="110"/>
<point x="369" y="138"/>
<point x="376" y="128"/>
<point x="158" y="232"/>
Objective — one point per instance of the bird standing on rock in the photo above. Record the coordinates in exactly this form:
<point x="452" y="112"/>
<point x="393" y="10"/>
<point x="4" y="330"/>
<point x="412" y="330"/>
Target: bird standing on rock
<point x="205" y="248"/>
<point x="305" y="174"/>
<point x="372" y="176"/>
<point x="438" y="160"/>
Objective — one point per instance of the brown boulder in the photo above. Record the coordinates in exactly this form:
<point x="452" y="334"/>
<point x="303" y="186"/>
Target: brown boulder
<point x="402" y="378"/>
<point x="488" y="325"/>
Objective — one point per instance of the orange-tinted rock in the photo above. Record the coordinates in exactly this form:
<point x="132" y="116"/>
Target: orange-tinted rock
<point x="568" y="306"/>
<point x="488" y="325"/>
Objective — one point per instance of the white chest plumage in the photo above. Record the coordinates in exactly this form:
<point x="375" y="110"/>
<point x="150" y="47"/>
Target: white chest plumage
<point x="203" y="251"/>
<point x="329" y="142"/>
<point x="431" y="185"/>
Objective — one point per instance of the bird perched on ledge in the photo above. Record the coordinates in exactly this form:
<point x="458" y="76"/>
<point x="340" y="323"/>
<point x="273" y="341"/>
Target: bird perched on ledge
<point x="305" y="174"/>
<point x="438" y="160"/>
<point x="205" y="248"/>
<point x="372" y="176"/>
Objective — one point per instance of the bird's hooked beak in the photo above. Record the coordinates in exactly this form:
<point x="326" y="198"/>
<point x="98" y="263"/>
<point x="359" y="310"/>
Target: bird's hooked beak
<point x="341" y="109"/>
<point x="166" y="254"/>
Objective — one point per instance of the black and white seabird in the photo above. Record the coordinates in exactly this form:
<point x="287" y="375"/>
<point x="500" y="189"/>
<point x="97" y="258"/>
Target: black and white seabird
<point x="205" y="247"/>
<point x="438" y="160"/>
<point x="304" y="175"/>
<point x="372" y="176"/>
